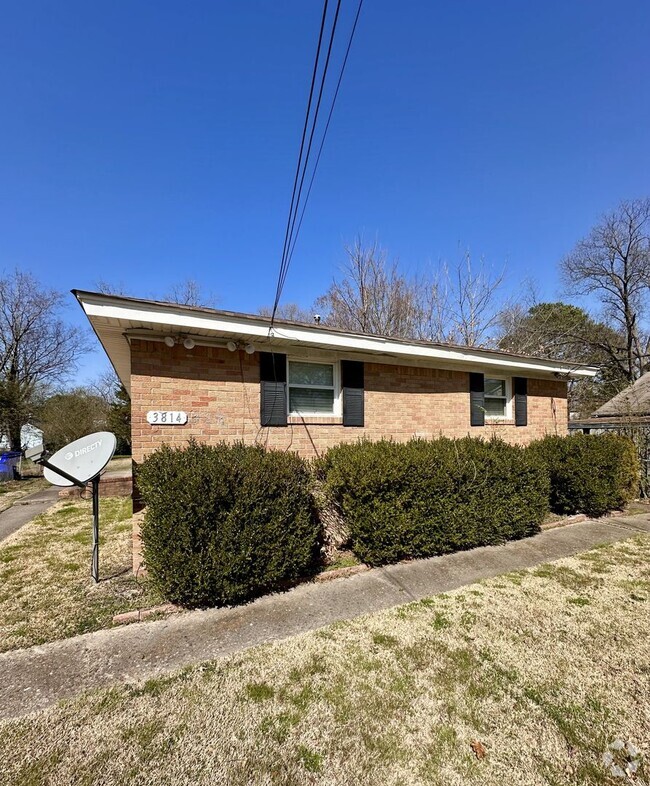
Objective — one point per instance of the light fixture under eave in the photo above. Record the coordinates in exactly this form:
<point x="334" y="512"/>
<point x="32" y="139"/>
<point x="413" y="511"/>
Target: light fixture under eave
<point x="249" y="349"/>
<point x="189" y="343"/>
<point x="170" y="341"/>
<point x="231" y="346"/>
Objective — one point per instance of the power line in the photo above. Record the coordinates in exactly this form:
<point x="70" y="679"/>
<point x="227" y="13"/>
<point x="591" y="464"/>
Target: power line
<point x="311" y="139"/>
<point x="302" y="144"/>
<point x="327" y="125"/>
<point x="293" y="229"/>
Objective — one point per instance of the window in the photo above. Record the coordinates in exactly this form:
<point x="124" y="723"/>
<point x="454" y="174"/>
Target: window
<point x="311" y="388"/>
<point x="496" y="398"/>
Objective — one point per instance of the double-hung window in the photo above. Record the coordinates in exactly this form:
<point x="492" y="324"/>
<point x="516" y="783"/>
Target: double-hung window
<point x="496" y="398"/>
<point x="312" y="388"/>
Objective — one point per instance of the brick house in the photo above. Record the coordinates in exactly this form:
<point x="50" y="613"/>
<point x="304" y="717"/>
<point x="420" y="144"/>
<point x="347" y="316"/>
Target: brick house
<point x="217" y="375"/>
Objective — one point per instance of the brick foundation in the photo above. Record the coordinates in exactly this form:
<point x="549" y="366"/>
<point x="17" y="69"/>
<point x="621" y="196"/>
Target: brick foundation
<point x="109" y="486"/>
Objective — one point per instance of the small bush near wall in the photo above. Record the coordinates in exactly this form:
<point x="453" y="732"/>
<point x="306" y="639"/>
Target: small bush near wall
<point x="225" y="523"/>
<point x="590" y="474"/>
<point x="422" y="498"/>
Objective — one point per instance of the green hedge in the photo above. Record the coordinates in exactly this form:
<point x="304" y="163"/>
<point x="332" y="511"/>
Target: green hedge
<point x="422" y="498"/>
<point x="226" y="523"/>
<point x="589" y="473"/>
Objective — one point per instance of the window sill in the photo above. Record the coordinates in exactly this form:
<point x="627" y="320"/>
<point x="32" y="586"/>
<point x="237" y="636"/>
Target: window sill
<point x="499" y="422"/>
<point x="315" y="420"/>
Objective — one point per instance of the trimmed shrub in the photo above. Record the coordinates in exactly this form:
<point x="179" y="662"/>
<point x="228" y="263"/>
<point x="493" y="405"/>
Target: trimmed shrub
<point x="589" y="473"/>
<point x="421" y="498"/>
<point x="226" y="523"/>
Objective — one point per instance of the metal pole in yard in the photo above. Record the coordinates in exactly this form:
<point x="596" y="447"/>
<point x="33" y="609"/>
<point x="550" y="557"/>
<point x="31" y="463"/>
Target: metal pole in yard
<point x="95" y="561"/>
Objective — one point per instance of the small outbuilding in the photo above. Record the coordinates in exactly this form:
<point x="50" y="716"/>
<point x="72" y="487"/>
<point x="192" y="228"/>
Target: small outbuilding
<point x="217" y="375"/>
<point x="627" y="409"/>
<point x="627" y="413"/>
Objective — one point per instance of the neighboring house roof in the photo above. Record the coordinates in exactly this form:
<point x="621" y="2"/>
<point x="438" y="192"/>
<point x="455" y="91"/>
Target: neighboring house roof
<point x="634" y="401"/>
<point x="117" y="320"/>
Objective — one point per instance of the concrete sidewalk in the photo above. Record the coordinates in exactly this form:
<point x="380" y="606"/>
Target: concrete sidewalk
<point x="25" y="509"/>
<point x="38" y="677"/>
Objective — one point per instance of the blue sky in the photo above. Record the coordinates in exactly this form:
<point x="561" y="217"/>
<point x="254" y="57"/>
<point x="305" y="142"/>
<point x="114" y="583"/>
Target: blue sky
<point x="142" y="143"/>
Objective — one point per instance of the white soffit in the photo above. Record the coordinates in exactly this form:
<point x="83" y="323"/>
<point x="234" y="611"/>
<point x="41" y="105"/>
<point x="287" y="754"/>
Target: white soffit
<point x="112" y="317"/>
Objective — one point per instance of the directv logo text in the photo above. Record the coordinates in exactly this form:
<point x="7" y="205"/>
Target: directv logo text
<point x="83" y="451"/>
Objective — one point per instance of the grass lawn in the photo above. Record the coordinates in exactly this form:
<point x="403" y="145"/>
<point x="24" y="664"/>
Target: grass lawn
<point x="14" y="490"/>
<point x="523" y="679"/>
<point x="119" y="464"/>
<point x="46" y="592"/>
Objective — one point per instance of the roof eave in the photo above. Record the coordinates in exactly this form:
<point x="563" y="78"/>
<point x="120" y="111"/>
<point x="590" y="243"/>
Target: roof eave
<point x="259" y="330"/>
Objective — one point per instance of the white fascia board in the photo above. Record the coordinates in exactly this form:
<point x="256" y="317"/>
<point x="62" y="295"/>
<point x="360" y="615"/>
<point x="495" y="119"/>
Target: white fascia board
<point x="279" y="334"/>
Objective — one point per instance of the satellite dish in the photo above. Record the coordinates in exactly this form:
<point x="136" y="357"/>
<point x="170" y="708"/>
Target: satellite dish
<point x="82" y="459"/>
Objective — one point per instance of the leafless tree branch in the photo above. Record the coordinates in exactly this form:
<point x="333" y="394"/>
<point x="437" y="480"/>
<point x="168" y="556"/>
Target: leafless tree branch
<point x="613" y="263"/>
<point x="37" y="349"/>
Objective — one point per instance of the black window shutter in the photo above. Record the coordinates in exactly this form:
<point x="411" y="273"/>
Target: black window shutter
<point x="352" y="384"/>
<point x="273" y="389"/>
<point x="520" y="385"/>
<point x="477" y="399"/>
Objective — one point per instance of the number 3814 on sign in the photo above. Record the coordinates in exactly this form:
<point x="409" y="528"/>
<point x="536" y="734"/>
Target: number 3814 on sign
<point x="160" y="418"/>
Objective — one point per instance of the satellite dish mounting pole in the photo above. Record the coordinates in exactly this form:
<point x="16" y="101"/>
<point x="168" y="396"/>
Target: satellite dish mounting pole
<point x="77" y="464"/>
<point x="94" y="570"/>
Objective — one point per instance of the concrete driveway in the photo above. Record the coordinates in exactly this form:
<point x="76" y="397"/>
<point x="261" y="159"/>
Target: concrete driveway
<point x="25" y="509"/>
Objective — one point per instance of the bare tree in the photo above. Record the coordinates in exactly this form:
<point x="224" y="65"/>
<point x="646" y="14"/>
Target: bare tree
<point x="372" y="296"/>
<point x="185" y="293"/>
<point x="292" y="312"/>
<point x="189" y="293"/>
<point x="107" y="288"/>
<point x="460" y="305"/>
<point x="37" y="348"/>
<point x="613" y="263"/>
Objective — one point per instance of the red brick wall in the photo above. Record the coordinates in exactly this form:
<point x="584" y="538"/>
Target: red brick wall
<point x="220" y="392"/>
<point x="109" y="486"/>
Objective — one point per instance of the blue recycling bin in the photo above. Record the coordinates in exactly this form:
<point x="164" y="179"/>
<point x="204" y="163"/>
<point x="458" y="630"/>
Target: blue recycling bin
<point x="10" y="465"/>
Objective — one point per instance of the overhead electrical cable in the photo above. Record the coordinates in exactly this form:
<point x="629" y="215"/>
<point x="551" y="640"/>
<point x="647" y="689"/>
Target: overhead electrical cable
<point x="285" y="266"/>
<point x="294" y="223"/>
<point x="327" y="125"/>
<point x="302" y="145"/>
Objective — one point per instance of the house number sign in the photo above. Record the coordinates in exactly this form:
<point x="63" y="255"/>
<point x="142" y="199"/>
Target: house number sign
<point x="159" y="418"/>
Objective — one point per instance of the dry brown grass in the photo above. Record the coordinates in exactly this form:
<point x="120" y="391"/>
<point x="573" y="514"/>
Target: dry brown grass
<point x="46" y="592"/>
<point x="14" y="490"/>
<point x="638" y="506"/>
<point x="543" y="667"/>
<point x="120" y="464"/>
